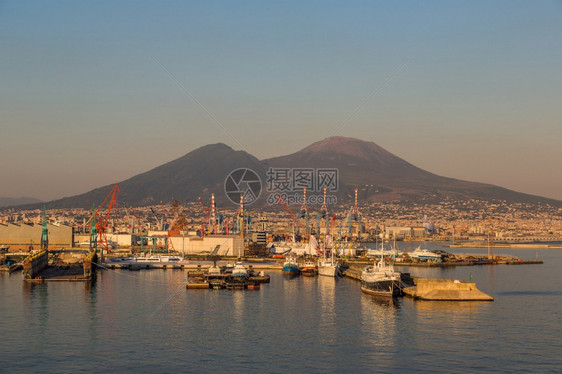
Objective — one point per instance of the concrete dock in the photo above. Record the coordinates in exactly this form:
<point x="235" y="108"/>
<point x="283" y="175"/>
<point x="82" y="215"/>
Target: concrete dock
<point x="431" y="289"/>
<point x="445" y="290"/>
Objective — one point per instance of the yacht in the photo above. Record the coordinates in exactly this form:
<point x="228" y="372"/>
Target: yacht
<point x="424" y="254"/>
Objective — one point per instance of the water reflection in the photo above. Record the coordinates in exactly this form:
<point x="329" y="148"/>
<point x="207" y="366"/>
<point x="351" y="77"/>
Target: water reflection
<point x="378" y="316"/>
<point x="327" y="297"/>
<point x="36" y="307"/>
<point x="453" y="309"/>
<point x="238" y="301"/>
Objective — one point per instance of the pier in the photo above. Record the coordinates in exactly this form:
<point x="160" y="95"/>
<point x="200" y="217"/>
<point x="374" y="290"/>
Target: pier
<point x="36" y="269"/>
<point x="431" y="289"/>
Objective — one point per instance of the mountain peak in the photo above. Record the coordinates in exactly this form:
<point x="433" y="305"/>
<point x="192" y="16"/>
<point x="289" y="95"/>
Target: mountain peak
<point x="344" y="145"/>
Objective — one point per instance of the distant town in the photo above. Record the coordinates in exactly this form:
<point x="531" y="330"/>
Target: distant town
<point x="452" y="220"/>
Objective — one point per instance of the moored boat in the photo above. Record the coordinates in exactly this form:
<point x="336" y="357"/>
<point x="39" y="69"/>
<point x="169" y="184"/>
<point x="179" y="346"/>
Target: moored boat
<point x="239" y="278"/>
<point x="424" y="254"/>
<point x="381" y="279"/>
<point x="291" y="267"/>
<point x="328" y="267"/>
<point x="309" y="268"/>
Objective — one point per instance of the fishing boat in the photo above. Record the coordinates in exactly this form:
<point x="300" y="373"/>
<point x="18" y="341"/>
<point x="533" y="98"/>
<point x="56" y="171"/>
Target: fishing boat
<point x="328" y="266"/>
<point x="309" y="268"/>
<point x="381" y="279"/>
<point x="291" y="267"/>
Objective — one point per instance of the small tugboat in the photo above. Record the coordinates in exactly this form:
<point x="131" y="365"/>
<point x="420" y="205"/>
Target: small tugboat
<point x="309" y="268"/>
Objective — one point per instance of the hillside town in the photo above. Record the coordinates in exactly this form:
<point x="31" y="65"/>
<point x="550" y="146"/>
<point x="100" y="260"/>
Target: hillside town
<point x="449" y="220"/>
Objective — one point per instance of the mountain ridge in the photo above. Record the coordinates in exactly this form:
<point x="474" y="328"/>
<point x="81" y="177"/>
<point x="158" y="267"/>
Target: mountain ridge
<point x="377" y="173"/>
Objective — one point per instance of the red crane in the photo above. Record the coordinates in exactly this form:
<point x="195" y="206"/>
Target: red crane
<point x="103" y="220"/>
<point x="289" y="211"/>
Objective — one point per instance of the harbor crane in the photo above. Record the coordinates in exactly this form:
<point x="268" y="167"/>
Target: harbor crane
<point x="303" y="214"/>
<point x="323" y="215"/>
<point x="100" y="221"/>
<point x="290" y="213"/>
<point x="352" y="216"/>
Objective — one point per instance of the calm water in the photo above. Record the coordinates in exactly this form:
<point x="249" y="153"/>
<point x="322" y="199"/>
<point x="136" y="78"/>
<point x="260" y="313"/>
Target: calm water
<point x="148" y="322"/>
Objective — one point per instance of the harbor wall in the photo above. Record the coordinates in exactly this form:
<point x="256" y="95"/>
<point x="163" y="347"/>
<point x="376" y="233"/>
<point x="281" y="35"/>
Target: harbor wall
<point x="446" y="290"/>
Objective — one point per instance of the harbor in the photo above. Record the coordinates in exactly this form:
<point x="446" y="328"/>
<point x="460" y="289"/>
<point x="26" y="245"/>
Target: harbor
<point x="298" y="312"/>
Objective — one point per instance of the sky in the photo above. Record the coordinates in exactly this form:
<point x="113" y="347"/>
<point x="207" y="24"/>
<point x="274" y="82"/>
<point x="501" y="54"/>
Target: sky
<point x="93" y="93"/>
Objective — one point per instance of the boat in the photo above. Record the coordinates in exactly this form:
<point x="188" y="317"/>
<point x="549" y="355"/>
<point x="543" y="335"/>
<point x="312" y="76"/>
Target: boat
<point x="328" y="267"/>
<point x="291" y="267"/>
<point x="424" y="254"/>
<point x="261" y="277"/>
<point x="309" y="268"/>
<point x="239" y="277"/>
<point x="141" y="262"/>
<point x="215" y="277"/>
<point x="381" y="279"/>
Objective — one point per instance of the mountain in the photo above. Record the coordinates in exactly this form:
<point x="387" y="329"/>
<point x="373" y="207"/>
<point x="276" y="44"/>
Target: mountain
<point x="378" y="174"/>
<point x="9" y="201"/>
<point x="381" y="176"/>
<point x="196" y="174"/>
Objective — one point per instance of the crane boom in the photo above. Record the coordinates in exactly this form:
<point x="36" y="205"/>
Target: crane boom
<point x="289" y="211"/>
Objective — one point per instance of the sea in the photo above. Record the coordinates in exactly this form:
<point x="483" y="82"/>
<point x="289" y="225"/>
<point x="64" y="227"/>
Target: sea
<point x="148" y="322"/>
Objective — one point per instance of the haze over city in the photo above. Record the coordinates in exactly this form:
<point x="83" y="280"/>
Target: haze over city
<point x="93" y="94"/>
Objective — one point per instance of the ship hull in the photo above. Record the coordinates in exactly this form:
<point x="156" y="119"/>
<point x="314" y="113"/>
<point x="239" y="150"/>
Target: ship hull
<point x="387" y="288"/>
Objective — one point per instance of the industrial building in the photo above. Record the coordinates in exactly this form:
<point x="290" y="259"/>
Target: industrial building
<point x="25" y="237"/>
<point x="230" y="245"/>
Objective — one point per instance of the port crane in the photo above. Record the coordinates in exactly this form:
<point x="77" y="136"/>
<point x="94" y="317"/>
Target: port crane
<point x="354" y="215"/>
<point x="290" y="213"/>
<point x="322" y="215"/>
<point x="100" y="222"/>
<point x="303" y="214"/>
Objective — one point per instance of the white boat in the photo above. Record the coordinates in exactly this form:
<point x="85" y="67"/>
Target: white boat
<point x="158" y="258"/>
<point x="424" y="254"/>
<point x="328" y="267"/>
<point x="384" y="253"/>
<point x="239" y="270"/>
<point x="163" y="261"/>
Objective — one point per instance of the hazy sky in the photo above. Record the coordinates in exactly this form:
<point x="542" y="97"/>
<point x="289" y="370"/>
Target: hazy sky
<point x="92" y="93"/>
